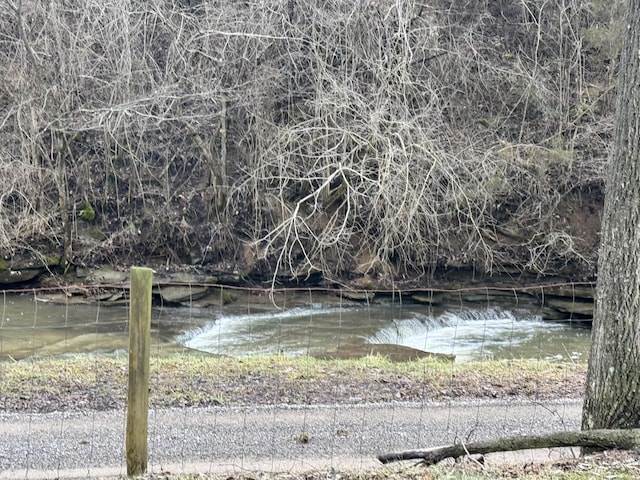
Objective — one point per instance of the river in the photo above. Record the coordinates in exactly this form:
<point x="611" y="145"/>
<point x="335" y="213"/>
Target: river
<point x="32" y="327"/>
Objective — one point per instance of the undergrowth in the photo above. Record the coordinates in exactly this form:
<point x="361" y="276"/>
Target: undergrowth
<point x="381" y="138"/>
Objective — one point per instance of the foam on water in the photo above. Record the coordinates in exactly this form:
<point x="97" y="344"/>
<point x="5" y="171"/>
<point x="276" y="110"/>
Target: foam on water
<point x="466" y="333"/>
<point x="293" y="331"/>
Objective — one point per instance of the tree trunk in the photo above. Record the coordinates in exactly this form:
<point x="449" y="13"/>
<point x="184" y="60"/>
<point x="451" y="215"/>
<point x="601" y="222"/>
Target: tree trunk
<point x="612" y="397"/>
<point x="595" y="439"/>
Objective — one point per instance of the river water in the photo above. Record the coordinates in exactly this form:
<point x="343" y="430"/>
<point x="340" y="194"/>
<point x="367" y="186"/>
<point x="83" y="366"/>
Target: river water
<point x="31" y="327"/>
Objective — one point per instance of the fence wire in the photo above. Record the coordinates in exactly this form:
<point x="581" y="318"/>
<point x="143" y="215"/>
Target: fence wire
<point x="269" y="404"/>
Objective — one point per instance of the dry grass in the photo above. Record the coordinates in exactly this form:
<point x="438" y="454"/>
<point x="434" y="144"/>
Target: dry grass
<point x="88" y="381"/>
<point x="605" y="466"/>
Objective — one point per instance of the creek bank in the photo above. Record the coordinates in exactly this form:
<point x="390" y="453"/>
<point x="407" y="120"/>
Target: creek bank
<point x="555" y="298"/>
<point x="196" y="379"/>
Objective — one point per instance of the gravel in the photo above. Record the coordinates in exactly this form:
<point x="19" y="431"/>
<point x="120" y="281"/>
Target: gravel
<point x="269" y="438"/>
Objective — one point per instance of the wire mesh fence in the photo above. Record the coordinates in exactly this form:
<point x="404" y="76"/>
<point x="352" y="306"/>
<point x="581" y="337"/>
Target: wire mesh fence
<point x="260" y="380"/>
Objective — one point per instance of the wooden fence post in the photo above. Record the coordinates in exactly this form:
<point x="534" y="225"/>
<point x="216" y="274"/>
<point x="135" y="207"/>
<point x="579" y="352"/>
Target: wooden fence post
<point x="138" y="393"/>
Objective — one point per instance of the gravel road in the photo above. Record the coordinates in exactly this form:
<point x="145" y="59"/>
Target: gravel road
<point x="227" y="440"/>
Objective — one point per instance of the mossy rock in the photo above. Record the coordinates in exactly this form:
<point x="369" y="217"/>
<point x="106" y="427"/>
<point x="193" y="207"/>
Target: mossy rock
<point x="8" y="277"/>
<point x="394" y="353"/>
<point x="88" y="213"/>
<point x="19" y="262"/>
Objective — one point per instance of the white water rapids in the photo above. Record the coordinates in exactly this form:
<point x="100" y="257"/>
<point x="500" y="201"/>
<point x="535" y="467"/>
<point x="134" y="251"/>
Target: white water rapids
<point x="28" y="327"/>
<point x="466" y="333"/>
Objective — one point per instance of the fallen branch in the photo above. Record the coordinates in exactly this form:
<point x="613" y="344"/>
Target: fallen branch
<point x="595" y="439"/>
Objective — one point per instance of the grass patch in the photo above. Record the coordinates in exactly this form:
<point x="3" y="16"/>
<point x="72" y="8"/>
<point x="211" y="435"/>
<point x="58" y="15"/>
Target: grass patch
<point x="196" y="379"/>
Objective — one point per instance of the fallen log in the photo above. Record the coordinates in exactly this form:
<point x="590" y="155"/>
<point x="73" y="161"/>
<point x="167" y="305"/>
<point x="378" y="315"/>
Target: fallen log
<point x="594" y="439"/>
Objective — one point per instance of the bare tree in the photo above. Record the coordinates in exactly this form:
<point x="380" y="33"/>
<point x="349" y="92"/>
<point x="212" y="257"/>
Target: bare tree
<point x="387" y="136"/>
<point x="371" y="172"/>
